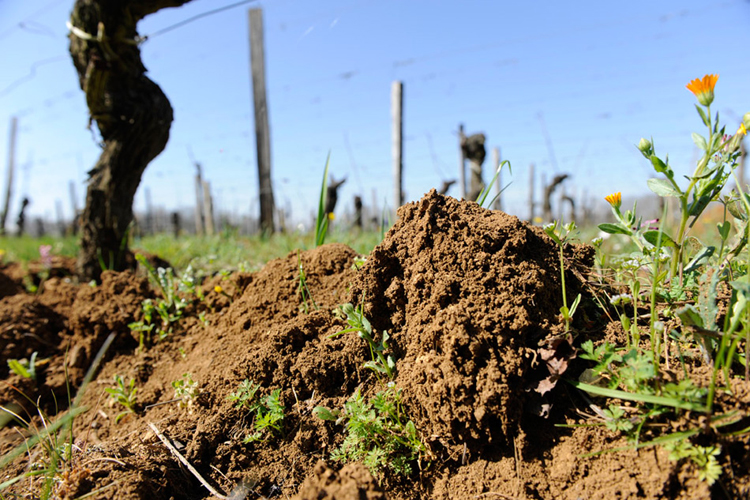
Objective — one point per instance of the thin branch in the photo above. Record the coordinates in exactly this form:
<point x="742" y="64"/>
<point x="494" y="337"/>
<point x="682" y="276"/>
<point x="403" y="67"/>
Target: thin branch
<point x="184" y="461"/>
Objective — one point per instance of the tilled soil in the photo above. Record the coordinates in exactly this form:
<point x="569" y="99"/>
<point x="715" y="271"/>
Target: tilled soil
<point x="470" y="298"/>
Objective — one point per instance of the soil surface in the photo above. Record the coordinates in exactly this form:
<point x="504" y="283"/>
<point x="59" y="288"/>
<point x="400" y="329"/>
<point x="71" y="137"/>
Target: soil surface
<point x="470" y="298"/>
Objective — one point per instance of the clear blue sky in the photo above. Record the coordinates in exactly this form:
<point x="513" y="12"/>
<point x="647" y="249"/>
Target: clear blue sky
<point x="597" y="76"/>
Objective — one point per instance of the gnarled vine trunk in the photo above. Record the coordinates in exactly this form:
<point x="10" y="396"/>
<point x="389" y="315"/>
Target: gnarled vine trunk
<point x="133" y="116"/>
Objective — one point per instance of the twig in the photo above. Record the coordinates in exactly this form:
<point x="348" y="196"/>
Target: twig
<point x="184" y="461"/>
<point x="162" y="403"/>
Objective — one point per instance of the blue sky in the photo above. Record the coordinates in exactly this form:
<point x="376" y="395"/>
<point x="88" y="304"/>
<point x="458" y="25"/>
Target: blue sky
<point x="593" y="77"/>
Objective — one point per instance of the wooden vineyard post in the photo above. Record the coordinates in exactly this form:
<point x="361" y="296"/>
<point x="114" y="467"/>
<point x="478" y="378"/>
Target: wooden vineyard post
<point x="498" y="205"/>
<point x="198" y="201"/>
<point x="262" y="132"/>
<point x="11" y="167"/>
<point x="461" y="161"/>
<point x="397" y="128"/>
<point x="208" y="208"/>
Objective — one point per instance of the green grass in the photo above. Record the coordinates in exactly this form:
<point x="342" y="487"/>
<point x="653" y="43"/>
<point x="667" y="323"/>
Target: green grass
<point x="226" y="251"/>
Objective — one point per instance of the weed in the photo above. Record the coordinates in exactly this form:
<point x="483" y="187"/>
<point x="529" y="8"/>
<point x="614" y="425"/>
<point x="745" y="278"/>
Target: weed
<point x="482" y="198"/>
<point x="321" y="222"/>
<point x="379" y="433"/>
<point x="561" y="234"/>
<point x="23" y="367"/>
<point x="186" y="391"/>
<point x="124" y="394"/>
<point x="267" y="411"/>
<point x="302" y="288"/>
<point x="380" y="362"/>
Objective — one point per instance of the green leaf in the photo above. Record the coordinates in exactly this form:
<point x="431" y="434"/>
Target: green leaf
<point x="700" y="259"/>
<point x="614" y="229"/>
<point x="699" y="141"/>
<point x="659" y="165"/>
<point x="653" y="238"/>
<point x="724" y="228"/>
<point x="321" y="223"/>
<point x="690" y="316"/>
<point x="662" y="187"/>
<point x="703" y="115"/>
<point x="642" y="398"/>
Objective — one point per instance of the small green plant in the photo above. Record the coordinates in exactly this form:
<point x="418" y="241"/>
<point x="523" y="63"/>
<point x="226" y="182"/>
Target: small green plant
<point x="186" y="390"/>
<point x="23" y="367"/>
<point x="561" y="234"/>
<point x="302" y="288"/>
<point x="705" y="458"/>
<point x="124" y="394"/>
<point x="145" y="326"/>
<point x="482" y="198"/>
<point x="380" y="362"/>
<point x="321" y="222"/>
<point x="267" y="411"/>
<point x="379" y="433"/>
<point x="169" y="307"/>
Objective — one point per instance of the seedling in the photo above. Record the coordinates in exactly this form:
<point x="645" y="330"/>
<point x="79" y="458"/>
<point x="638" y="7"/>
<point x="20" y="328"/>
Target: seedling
<point x="379" y="433"/>
<point x="24" y="368"/>
<point x="186" y="391"/>
<point x="380" y="362"/>
<point x="302" y="288"/>
<point x="560" y="234"/>
<point x="267" y="411"/>
<point x="124" y="394"/>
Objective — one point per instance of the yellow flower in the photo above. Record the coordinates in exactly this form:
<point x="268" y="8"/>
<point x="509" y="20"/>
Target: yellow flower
<point x="742" y="130"/>
<point x="703" y="88"/>
<point x="331" y="216"/>
<point x="218" y="289"/>
<point x="614" y="199"/>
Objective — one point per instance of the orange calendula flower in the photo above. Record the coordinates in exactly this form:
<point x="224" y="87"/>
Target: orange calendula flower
<point x="703" y="88"/>
<point x="614" y="199"/>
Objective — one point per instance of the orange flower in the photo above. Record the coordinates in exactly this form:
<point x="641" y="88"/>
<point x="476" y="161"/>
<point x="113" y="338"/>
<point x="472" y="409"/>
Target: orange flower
<point x="614" y="199"/>
<point x="703" y="88"/>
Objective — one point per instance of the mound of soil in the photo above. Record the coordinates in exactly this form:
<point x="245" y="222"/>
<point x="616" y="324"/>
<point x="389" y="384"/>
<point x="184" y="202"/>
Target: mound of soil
<point x="470" y="298"/>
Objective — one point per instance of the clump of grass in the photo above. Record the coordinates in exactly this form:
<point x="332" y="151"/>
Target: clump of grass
<point x="380" y="435"/>
<point x="302" y="289"/>
<point x="267" y="411"/>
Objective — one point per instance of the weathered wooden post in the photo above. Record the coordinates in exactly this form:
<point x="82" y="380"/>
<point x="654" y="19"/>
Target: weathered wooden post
<point x="176" y="224"/>
<point x="498" y="205"/>
<point x="474" y="151"/>
<point x="358" y="212"/>
<point x="208" y="208"/>
<point x="397" y="145"/>
<point x="199" y="216"/>
<point x="9" y="179"/>
<point x="21" y="221"/>
<point x="461" y="161"/>
<point x="262" y="132"/>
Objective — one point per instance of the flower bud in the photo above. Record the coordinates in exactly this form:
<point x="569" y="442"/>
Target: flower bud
<point x="645" y="147"/>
